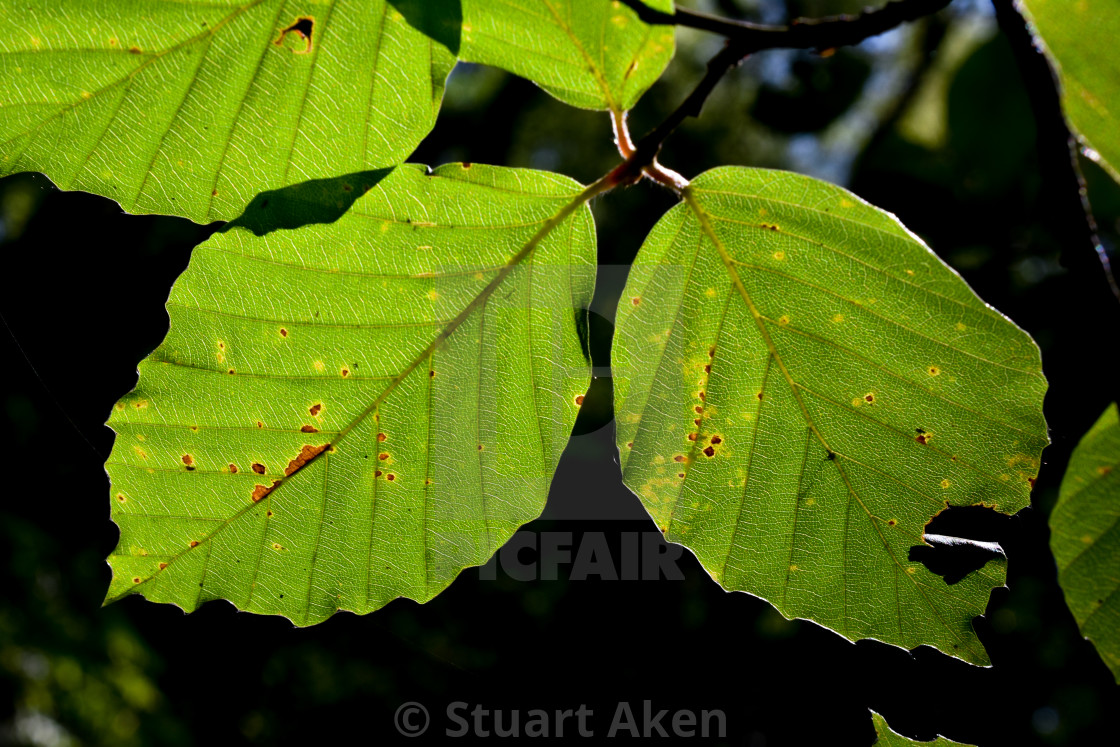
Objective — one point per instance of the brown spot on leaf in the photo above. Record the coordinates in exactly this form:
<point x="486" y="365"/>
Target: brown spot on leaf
<point x="194" y="543"/>
<point x="136" y="580"/>
<point x="306" y="454"/>
<point x="691" y="436"/>
<point x="480" y="447"/>
<point x="579" y="399"/>
<point x="699" y="409"/>
<point x="345" y="372"/>
<point x="230" y="372"/>
<point x="383" y="456"/>
<point x="188" y="461"/>
<point x="717" y="439"/>
<point x="377" y="473"/>
<point x="629" y="444"/>
<point x="258" y="468"/>
<point x="869" y="397"/>
<point x="679" y="458"/>
<point x="308" y="429"/>
<point x="314" y="410"/>
<point x="162" y="566"/>
<point x="121" y="498"/>
<point x="390" y="476"/>
<point x="891" y="522"/>
<point x="134" y="50"/>
<point x="232" y="468"/>
<point x="921" y="439"/>
<point x="381" y="437"/>
<point x="283" y="332"/>
<point x="260" y="424"/>
<point x="934" y="370"/>
<point x="710" y="451"/>
<point x="260" y="491"/>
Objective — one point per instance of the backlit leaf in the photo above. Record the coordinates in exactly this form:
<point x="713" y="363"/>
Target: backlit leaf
<point x="801" y="385"/>
<point x="594" y="54"/>
<point x="346" y="413"/>
<point x="886" y="737"/>
<point x="1085" y="537"/>
<point x="1081" y="39"/>
<point x="192" y="108"/>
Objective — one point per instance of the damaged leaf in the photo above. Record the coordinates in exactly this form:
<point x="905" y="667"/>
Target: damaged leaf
<point x="193" y="108"/>
<point x="428" y="338"/>
<point x="801" y="386"/>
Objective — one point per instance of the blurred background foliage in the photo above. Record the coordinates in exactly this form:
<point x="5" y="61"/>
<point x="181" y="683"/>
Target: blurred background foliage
<point x="931" y="122"/>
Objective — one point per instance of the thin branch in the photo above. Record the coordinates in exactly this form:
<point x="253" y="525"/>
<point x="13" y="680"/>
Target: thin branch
<point x="1057" y="149"/>
<point x="744" y="39"/>
<point x="823" y="33"/>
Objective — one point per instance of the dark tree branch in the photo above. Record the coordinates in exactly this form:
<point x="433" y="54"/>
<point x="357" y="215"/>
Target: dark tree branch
<point x="1057" y="151"/>
<point x="744" y="39"/>
<point x="824" y="33"/>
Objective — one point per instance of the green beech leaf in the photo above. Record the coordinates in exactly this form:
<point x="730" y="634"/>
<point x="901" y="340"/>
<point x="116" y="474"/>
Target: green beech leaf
<point x="1081" y="37"/>
<point x="594" y="54"/>
<point x="801" y="385"/>
<point x="1085" y="537"/>
<point x="192" y="108"/>
<point x="886" y="737"/>
<point x="347" y="413"/>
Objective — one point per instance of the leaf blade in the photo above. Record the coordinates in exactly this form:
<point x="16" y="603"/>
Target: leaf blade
<point x="1085" y="536"/>
<point x="887" y="737"/>
<point x="1079" y="38"/>
<point x="786" y="358"/>
<point x="593" y="54"/>
<point x="194" y="108"/>
<point x="410" y="366"/>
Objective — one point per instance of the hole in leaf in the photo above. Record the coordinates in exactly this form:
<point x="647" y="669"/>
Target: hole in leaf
<point x="960" y="540"/>
<point x="303" y="26"/>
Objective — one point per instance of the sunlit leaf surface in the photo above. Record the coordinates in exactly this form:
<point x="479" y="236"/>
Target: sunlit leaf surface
<point x="594" y="54"/>
<point x="885" y="737"/>
<point x="192" y="108"/>
<point x="1085" y="537"/>
<point x="1081" y="39"/>
<point x="347" y="413"/>
<point x="801" y="385"/>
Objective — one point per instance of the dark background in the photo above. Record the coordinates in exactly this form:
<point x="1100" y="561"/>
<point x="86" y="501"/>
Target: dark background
<point x="933" y="123"/>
